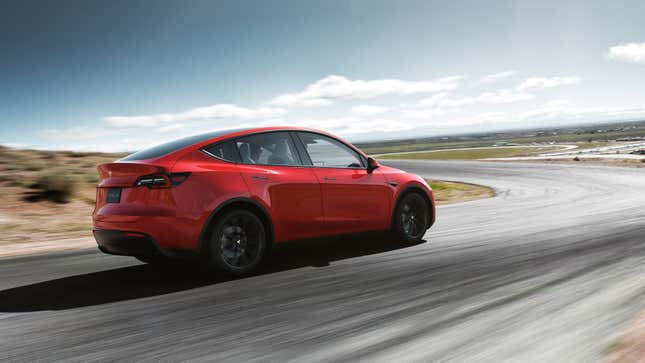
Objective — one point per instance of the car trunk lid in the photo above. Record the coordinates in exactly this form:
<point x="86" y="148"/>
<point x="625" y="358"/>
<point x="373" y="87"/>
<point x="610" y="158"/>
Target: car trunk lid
<point x="120" y="174"/>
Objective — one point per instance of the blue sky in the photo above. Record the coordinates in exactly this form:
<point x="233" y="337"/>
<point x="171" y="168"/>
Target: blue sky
<point x="121" y="75"/>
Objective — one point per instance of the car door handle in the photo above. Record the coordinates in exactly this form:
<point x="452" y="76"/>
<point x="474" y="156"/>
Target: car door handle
<point x="259" y="177"/>
<point x="328" y="178"/>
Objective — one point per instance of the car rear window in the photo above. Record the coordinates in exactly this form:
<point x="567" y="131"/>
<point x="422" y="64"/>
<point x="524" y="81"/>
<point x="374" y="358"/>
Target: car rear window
<point x="223" y="150"/>
<point x="167" y="148"/>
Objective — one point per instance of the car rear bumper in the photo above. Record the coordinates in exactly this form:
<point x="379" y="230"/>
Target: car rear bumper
<point x="167" y="232"/>
<point x="126" y="243"/>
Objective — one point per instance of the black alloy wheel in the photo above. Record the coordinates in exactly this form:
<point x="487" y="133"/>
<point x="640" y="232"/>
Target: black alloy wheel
<point x="411" y="216"/>
<point x="238" y="242"/>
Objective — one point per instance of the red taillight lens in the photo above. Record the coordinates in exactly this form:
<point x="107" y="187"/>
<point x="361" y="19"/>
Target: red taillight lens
<point x="161" y="181"/>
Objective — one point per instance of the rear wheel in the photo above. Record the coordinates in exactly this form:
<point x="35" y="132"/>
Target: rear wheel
<point x="238" y="242"/>
<point x="411" y="218"/>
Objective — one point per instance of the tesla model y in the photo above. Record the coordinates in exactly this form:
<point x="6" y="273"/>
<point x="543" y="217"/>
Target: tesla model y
<point x="227" y="197"/>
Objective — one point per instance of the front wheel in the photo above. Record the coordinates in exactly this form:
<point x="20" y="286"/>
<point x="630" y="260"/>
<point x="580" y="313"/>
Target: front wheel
<point x="411" y="218"/>
<point x="238" y="242"/>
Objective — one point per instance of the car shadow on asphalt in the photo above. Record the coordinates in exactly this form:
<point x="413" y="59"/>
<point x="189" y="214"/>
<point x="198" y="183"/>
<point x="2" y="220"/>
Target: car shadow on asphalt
<point x="140" y="281"/>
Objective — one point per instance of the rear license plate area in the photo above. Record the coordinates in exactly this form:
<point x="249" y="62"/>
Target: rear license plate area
<point x="113" y="195"/>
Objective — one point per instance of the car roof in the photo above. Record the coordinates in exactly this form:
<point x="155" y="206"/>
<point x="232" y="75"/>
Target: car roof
<point x="208" y="138"/>
<point x="254" y="130"/>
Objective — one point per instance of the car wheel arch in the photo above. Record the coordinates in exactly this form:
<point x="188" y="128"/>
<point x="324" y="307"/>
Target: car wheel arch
<point x="236" y="203"/>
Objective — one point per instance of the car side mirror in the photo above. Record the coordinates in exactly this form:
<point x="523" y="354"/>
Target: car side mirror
<point x="371" y="165"/>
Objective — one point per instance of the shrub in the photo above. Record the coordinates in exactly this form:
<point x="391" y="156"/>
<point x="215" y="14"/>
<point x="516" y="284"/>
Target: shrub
<point x="56" y="187"/>
<point x="576" y="159"/>
<point x="33" y="166"/>
<point x="47" y="155"/>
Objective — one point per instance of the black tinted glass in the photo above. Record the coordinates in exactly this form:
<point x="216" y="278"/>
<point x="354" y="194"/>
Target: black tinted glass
<point x="224" y="150"/>
<point x="272" y="148"/>
<point x="163" y="149"/>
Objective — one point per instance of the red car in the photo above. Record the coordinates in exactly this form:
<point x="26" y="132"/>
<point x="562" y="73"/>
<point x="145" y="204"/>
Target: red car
<point x="228" y="196"/>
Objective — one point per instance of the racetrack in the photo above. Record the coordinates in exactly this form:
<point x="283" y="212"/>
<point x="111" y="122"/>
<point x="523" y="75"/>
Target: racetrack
<point x="549" y="270"/>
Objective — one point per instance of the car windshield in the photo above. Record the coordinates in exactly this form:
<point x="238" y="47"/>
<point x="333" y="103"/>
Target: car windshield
<point x="163" y="149"/>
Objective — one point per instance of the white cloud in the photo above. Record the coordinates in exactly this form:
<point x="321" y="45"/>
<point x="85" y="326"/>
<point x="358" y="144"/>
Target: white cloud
<point x="542" y="82"/>
<point x="214" y="112"/>
<point x="456" y="121"/>
<point x="348" y="126"/>
<point x="559" y="103"/>
<point x="496" y="97"/>
<point x="504" y="96"/>
<point x="432" y="100"/>
<point x="496" y="76"/>
<point x="334" y="87"/>
<point x="378" y="126"/>
<point x="172" y="128"/>
<point x="423" y="113"/>
<point x="294" y="99"/>
<point x="630" y="52"/>
<point x="14" y="145"/>
<point x="423" y="105"/>
<point x="564" y="112"/>
<point x="334" y="123"/>
<point x="474" y="119"/>
<point x="368" y="110"/>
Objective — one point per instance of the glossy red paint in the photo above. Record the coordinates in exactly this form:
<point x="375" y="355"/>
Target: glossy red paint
<point x="298" y="202"/>
<point x="354" y="200"/>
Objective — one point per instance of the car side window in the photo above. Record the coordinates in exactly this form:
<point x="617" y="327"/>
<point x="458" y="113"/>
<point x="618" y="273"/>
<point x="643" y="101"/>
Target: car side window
<point x="223" y="150"/>
<point x="329" y="153"/>
<point x="272" y="148"/>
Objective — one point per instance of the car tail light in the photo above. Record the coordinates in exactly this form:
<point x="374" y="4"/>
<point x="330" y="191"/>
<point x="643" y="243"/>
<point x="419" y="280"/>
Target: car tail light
<point x="161" y="181"/>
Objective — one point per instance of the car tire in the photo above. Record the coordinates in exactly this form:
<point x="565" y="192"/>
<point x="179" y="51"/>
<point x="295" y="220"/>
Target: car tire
<point x="237" y="244"/>
<point x="411" y="218"/>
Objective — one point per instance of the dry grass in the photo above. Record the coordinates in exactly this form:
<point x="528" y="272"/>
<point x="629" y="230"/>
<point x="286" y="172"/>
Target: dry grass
<point x="447" y="192"/>
<point x="47" y="195"/>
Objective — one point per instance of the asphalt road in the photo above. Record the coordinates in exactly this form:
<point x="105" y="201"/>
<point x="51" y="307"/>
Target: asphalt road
<point x="549" y="270"/>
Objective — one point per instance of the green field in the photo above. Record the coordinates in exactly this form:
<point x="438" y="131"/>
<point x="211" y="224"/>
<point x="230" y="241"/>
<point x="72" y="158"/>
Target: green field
<point x="373" y="149"/>
<point x="588" y="136"/>
<point x="471" y="154"/>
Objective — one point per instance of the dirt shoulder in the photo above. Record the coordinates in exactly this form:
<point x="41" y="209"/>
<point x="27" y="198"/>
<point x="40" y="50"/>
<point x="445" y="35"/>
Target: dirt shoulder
<point x="630" y="347"/>
<point x="450" y="192"/>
